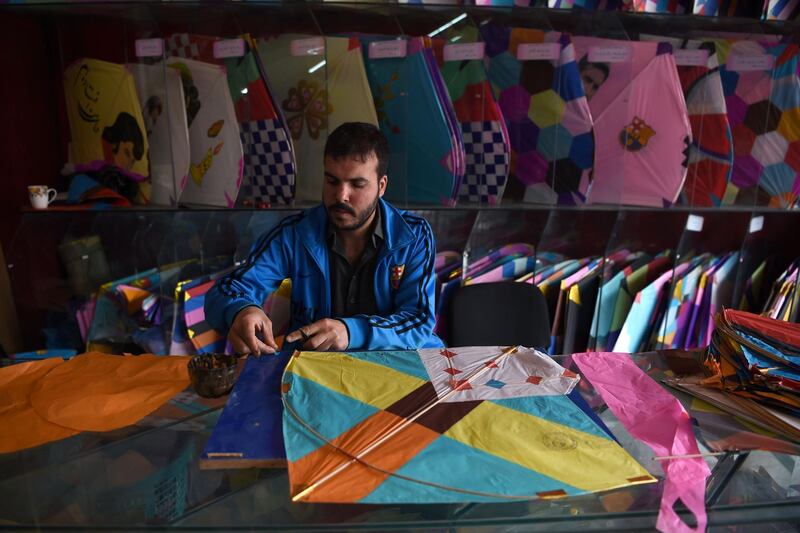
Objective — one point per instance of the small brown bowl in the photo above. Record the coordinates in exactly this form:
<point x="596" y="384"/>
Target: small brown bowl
<point x="212" y="375"/>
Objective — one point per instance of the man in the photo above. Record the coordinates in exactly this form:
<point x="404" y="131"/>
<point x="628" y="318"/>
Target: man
<point x="361" y="270"/>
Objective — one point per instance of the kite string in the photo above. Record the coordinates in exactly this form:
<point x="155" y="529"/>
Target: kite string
<point x="399" y="427"/>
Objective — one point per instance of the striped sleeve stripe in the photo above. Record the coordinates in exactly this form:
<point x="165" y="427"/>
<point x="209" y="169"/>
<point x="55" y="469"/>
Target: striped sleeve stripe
<point x="386" y="323"/>
<point x="266" y="240"/>
<point x="420" y="316"/>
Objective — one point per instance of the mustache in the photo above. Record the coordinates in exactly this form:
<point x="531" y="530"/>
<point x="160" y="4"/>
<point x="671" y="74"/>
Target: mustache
<point x="343" y="207"/>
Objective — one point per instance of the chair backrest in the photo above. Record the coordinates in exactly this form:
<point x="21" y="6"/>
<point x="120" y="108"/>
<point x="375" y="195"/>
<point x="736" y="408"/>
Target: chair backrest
<point x="495" y="314"/>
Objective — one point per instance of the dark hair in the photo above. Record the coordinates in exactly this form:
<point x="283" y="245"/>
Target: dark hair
<point x="602" y="67"/>
<point x="125" y="129"/>
<point x="359" y="139"/>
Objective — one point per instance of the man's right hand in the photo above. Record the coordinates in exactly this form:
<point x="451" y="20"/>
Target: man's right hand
<point x="251" y="332"/>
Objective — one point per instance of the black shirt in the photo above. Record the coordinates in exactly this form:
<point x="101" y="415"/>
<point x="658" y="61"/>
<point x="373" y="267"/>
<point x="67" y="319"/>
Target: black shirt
<point x="353" y="286"/>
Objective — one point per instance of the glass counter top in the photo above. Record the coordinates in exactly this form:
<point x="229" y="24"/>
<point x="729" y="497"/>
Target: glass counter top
<point x="148" y="475"/>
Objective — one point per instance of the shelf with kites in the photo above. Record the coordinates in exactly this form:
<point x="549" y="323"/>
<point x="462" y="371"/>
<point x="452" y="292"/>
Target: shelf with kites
<point x="229" y="104"/>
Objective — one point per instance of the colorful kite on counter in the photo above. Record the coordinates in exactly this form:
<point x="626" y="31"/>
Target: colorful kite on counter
<point x="164" y="110"/>
<point x="215" y="173"/>
<point x="269" y="168"/>
<point x="641" y="125"/>
<point x="105" y="120"/>
<point x="422" y="168"/>
<point x="444" y="425"/>
<point x="546" y="113"/>
<point x="762" y="92"/>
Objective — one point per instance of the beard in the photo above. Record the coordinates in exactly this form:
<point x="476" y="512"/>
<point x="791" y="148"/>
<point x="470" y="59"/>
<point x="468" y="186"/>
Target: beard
<point x="361" y="218"/>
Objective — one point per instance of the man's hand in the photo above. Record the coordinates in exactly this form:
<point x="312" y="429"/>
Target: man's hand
<point x="249" y="328"/>
<point x="322" y="335"/>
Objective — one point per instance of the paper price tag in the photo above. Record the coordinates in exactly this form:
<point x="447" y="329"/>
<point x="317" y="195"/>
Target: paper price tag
<point x="388" y="49"/>
<point x="462" y="52"/>
<point x="539" y="51"/>
<point x="756" y="224"/>
<point x="694" y="223"/>
<point x="691" y="58"/>
<point x="149" y="47"/>
<point x="229" y="48"/>
<point x="750" y="63"/>
<point x="312" y="46"/>
<point x="609" y="54"/>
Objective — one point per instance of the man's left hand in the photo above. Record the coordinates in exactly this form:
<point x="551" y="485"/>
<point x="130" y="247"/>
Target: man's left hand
<point x="322" y="335"/>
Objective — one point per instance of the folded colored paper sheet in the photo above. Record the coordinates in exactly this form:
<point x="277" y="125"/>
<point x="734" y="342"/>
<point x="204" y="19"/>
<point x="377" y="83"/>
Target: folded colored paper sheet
<point x="763" y="106"/>
<point x="423" y="168"/>
<point x="781" y="9"/>
<point x="52" y="399"/>
<point x="711" y="151"/>
<point x="215" y="173"/>
<point x="546" y="112"/>
<point x="100" y="392"/>
<point x="467" y="424"/>
<point x="269" y="167"/>
<point x="641" y="125"/>
<point x="658" y="419"/>
<point x="161" y="98"/>
<point x="599" y="5"/>
<point x="662" y="6"/>
<point x="317" y="93"/>
<point x="20" y="425"/>
<point x="727" y="8"/>
<point x="105" y="120"/>
<point x="483" y="131"/>
<point x="644" y="315"/>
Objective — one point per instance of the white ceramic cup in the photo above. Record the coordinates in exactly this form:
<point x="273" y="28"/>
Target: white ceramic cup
<point x="41" y="196"/>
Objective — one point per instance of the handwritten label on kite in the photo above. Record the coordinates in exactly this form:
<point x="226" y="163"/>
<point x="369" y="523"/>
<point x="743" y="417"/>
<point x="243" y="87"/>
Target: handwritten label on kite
<point x="750" y="63"/>
<point x="388" y="49"/>
<point x="691" y="58"/>
<point x="229" y="48"/>
<point x="694" y="223"/>
<point x="756" y="224"/>
<point x="149" y="47"/>
<point x="609" y="54"/>
<point x="311" y="46"/>
<point x="538" y="51"/>
<point x="463" y="52"/>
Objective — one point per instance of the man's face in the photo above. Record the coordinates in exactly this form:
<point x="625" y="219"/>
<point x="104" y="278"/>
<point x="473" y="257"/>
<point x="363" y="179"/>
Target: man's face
<point x="351" y="191"/>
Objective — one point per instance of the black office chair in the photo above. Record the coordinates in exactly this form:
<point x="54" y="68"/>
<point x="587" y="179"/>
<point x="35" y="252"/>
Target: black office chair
<point x="497" y="314"/>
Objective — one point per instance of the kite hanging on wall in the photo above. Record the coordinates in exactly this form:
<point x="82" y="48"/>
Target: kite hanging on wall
<point x="641" y="124"/>
<point x="546" y="113"/>
<point x="763" y="102"/>
<point x="443" y="425"/>
<point x="269" y="167"/>
<point x="161" y="97"/>
<point x="215" y="173"/>
<point x="105" y="120"/>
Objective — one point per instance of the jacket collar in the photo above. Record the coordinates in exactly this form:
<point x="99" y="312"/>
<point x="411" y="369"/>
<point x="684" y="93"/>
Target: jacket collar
<point x="312" y="229"/>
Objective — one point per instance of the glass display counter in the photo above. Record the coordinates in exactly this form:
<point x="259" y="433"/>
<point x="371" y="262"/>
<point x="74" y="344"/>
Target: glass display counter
<point x="148" y="475"/>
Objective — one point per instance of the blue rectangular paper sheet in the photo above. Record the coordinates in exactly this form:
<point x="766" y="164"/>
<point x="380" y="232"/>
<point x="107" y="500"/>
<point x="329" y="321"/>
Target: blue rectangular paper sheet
<point x="249" y="432"/>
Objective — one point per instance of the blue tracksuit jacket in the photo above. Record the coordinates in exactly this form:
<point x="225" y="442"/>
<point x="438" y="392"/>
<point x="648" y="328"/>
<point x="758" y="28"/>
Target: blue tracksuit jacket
<point x="296" y="248"/>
